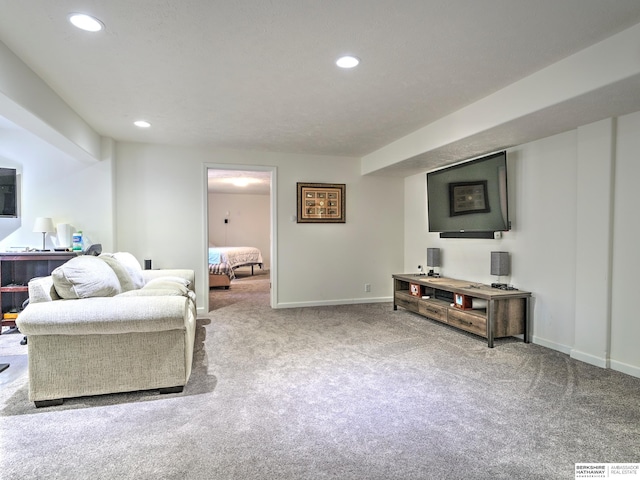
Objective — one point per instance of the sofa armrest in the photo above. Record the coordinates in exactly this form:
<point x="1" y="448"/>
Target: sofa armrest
<point x="105" y="315"/>
<point x="41" y="290"/>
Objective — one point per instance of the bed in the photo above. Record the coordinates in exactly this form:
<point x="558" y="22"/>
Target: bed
<point x="224" y="260"/>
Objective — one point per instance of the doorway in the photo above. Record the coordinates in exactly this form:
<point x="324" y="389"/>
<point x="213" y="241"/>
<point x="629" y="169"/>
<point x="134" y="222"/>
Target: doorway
<point x="240" y="212"/>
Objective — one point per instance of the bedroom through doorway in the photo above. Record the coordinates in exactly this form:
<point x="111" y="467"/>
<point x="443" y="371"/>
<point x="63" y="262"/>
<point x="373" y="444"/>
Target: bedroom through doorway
<point x="239" y="223"/>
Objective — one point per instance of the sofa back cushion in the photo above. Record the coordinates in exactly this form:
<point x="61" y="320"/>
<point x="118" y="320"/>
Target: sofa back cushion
<point x="85" y="276"/>
<point x="131" y="264"/>
<point x="126" y="283"/>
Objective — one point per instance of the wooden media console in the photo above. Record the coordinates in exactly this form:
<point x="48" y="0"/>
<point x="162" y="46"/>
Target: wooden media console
<point x="474" y="307"/>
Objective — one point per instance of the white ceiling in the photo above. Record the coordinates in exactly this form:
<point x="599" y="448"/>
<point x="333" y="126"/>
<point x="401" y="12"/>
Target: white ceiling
<point x="260" y="75"/>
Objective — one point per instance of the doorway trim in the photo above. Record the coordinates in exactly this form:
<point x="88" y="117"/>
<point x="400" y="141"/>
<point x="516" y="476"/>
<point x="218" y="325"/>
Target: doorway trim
<point x="273" y="195"/>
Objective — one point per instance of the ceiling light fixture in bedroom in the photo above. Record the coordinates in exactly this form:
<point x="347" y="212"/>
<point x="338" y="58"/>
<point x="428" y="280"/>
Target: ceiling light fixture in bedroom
<point x="142" y="124"/>
<point x="86" y="22"/>
<point x="241" y="181"/>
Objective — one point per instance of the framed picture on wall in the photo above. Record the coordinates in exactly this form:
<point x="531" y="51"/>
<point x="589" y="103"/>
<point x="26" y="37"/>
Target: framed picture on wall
<point x="321" y="202"/>
<point x="468" y="197"/>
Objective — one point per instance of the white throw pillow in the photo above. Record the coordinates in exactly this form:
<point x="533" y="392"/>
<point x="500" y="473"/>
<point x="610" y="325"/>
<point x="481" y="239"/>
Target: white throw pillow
<point x="120" y="270"/>
<point x="133" y="267"/>
<point x="158" y="289"/>
<point x="170" y="278"/>
<point x="85" y="276"/>
<point x="166" y="285"/>
<point x="152" y="292"/>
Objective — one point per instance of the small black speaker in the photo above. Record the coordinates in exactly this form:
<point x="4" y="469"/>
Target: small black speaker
<point x="147" y="264"/>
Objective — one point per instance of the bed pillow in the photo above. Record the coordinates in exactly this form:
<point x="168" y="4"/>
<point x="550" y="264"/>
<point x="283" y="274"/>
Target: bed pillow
<point x="84" y="277"/>
<point x="214" y="256"/>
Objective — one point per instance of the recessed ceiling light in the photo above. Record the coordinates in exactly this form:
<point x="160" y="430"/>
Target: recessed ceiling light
<point x="86" y="22"/>
<point x="142" y="124"/>
<point x="347" y="61"/>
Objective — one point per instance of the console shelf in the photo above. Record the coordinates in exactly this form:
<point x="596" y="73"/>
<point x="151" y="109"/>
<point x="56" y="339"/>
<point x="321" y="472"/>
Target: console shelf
<point x="497" y="313"/>
<point x="16" y="269"/>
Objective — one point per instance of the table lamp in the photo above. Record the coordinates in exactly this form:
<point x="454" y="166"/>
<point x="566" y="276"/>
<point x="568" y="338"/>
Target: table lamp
<point x="44" y="225"/>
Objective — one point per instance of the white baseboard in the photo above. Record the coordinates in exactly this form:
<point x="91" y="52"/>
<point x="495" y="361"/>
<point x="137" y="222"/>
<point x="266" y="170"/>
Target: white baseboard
<point x="326" y="303"/>
<point x="552" y="345"/>
<point x="632" y="370"/>
<point x="590" y="359"/>
<point x="625" y="368"/>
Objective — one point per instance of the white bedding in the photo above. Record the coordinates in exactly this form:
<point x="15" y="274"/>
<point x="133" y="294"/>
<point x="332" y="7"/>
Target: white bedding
<point x="235" y="256"/>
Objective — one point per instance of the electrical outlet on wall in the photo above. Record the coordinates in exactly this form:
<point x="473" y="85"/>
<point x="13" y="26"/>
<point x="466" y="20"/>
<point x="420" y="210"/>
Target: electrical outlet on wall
<point x="367" y="287"/>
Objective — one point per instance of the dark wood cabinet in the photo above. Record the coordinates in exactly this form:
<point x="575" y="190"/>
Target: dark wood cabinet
<point x="16" y="269"/>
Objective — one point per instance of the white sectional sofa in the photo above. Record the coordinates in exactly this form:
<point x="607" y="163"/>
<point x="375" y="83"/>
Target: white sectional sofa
<point x="102" y="325"/>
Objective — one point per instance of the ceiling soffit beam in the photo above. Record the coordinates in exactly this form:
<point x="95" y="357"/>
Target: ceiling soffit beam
<point x="608" y="62"/>
<point x="27" y="101"/>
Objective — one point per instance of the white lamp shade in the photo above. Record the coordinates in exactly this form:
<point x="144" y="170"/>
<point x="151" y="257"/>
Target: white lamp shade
<point x="43" y="225"/>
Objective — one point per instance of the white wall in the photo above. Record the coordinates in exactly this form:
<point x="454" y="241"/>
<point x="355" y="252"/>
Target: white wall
<point x="65" y="168"/>
<point x="161" y="213"/>
<point x="52" y="184"/>
<point x="596" y="158"/>
<point x="541" y="178"/>
<point x="580" y="270"/>
<point x="625" y="327"/>
<point x="543" y="241"/>
<point x="249" y="222"/>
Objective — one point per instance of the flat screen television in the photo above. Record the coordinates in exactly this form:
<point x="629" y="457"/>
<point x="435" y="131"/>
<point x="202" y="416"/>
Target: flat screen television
<point x="8" y="193"/>
<point x="469" y="199"/>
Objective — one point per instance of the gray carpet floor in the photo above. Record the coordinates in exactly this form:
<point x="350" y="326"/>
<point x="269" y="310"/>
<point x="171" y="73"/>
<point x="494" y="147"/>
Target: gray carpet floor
<point x="341" y="392"/>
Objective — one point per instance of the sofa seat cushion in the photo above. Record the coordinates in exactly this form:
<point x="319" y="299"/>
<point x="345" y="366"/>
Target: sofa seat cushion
<point x="84" y="277"/>
<point x="99" y="316"/>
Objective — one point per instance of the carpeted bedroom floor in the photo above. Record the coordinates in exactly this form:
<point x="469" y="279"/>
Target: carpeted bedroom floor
<point x="340" y="392"/>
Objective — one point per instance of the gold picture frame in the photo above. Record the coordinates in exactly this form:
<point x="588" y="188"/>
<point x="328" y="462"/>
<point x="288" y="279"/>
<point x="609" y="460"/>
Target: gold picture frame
<point x="321" y="202"/>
